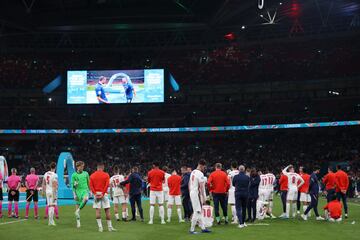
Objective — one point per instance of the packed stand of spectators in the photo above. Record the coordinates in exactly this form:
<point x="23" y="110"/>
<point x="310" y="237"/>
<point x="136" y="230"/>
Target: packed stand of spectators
<point x="291" y="61"/>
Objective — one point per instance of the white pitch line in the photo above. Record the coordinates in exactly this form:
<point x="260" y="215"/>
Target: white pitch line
<point x="13" y="222"/>
<point x="258" y="224"/>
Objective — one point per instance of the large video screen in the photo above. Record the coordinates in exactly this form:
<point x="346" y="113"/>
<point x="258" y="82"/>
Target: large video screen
<point x="115" y="86"/>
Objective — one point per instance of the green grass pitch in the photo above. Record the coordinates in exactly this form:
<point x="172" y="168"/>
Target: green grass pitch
<point x="292" y="229"/>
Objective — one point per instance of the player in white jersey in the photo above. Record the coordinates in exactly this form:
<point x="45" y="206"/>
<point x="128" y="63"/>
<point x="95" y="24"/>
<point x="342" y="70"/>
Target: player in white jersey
<point x="166" y="188"/>
<point x="207" y="213"/>
<point x="231" y="198"/>
<point x="50" y="188"/>
<point x="294" y="182"/>
<point x="198" y="196"/>
<point x="118" y="195"/>
<point x="271" y="179"/>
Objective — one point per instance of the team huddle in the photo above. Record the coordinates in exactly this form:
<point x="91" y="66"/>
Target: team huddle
<point x="247" y="191"/>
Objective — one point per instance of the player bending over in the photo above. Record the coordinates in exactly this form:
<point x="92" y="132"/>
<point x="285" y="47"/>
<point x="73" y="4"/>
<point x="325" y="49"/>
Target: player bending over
<point x="118" y="195"/>
<point x="31" y="183"/>
<point x="99" y="183"/>
<point x="294" y="183"/>
<point x="174" y="182"/>
<point x="80" y="187"/>
<point x="50" y="188"/>
<point x="198" y="197"/>
<point x="333" y="210"/>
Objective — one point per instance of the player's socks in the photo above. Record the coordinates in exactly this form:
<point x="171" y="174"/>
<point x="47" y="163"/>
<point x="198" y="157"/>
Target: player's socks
<point x="304" y="209"/>
<point x="193" y="224"/>
<point x="152" y="209"/>
<point x="99" y="223"/>
<point x="78" y="225"/>
<point x="56" y="211"/>
<point x="51" y="215"/>
<point x="124" y="215"/>
<point x="294" y="207"/>
<point x="169" y="212"/>
<point x="36" y="209"/>
<point x="27" y="209"/>
<point x="161" y="213"/>
<point x="117" y="216"/>
<point x="9" y="209"/>
<point x="218" y="220"/>
<point x="179" y="212"/>
<point x="287" y="210"/>
<point x="109" y="224"/>
<point x="46" y="211"/>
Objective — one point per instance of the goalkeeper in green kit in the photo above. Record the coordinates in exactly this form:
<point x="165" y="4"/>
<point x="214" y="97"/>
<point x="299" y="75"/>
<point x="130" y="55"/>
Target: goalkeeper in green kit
<point x="80" y="187"/>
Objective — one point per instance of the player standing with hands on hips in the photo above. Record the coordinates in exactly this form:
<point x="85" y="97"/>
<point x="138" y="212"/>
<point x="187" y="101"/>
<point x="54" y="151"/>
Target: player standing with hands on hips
<point x="99" y="183"/>
<point x="80" y="187"/>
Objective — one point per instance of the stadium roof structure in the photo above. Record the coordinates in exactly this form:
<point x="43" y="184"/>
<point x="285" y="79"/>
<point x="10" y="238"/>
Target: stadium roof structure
<point x="127" y="24"/>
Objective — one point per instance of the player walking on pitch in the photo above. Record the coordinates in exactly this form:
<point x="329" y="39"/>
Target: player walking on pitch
<point x="99" y="183"/>
<point x="198" y="196"/>
<point x="50" y="188"/>
<point x="80" y="187"/>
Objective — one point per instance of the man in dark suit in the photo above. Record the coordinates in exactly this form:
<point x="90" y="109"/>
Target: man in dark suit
<point x="241" y="183"/>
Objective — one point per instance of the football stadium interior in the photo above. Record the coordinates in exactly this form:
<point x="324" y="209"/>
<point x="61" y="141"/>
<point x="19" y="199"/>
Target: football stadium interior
<point x="180" y="119"/>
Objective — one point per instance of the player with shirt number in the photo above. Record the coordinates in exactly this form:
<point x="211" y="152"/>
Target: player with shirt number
<point x="50" y="188"/>
<point x="294" y="183"/>
<point x="118" y="194"/>
<point x="198" y="196"/>
<point x="207" y="212"/>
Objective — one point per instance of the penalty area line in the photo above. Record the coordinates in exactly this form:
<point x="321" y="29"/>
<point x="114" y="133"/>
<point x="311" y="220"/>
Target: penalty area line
<point x="22" y="220"/>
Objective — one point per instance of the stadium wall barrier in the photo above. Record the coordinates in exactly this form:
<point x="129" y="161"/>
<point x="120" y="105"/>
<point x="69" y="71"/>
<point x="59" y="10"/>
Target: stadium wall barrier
<point x="182" y="129"/>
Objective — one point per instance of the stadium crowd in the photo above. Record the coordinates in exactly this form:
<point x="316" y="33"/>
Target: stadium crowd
<point x="291" y="61"/>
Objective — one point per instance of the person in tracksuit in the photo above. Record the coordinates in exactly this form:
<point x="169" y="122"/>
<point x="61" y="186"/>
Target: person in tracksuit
<point x="241" y="183"/>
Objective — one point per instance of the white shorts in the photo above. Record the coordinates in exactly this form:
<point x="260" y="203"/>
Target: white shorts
<point x="50" y="199"/>
<point x="156" y="195"/>
<point x="195" y="201"/>
<point x="166" y="195"/>
<point x="260" y="210"/>
<point x="304" y="197"/>
<point x="265" y="195"/>
<point x="231" y="197"/>
<point x="174" y="199"/>
<point x="292" y="195"/>
<point x="102" y="203"/>
<point x="120" y="199"/>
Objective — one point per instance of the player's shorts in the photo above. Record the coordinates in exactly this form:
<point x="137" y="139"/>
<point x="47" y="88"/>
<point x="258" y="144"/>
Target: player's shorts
<point x="231" y="197"/>
<point x="208" y="222"/>
<point x="81" y="195"/>
<point x="304" y="197"/>
<point x="1" y="194"/>
<point x="195" y="201"/>
<point x="166" y="195"/>
<point x="156" y="195"/>
<point x="101" y="203"/>
<point x="51" y="200"/>
<point x="120" y="199"/>
<point x="174" y="199"/>
<point x="265" y="195"/>
<point x="32" y="195"/>
<point x="13" y="195"/>
<point x="292" y="195"/>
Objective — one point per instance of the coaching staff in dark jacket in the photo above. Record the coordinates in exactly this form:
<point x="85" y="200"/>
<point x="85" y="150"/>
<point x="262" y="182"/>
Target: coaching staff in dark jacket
<point x="241" y="183"/>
